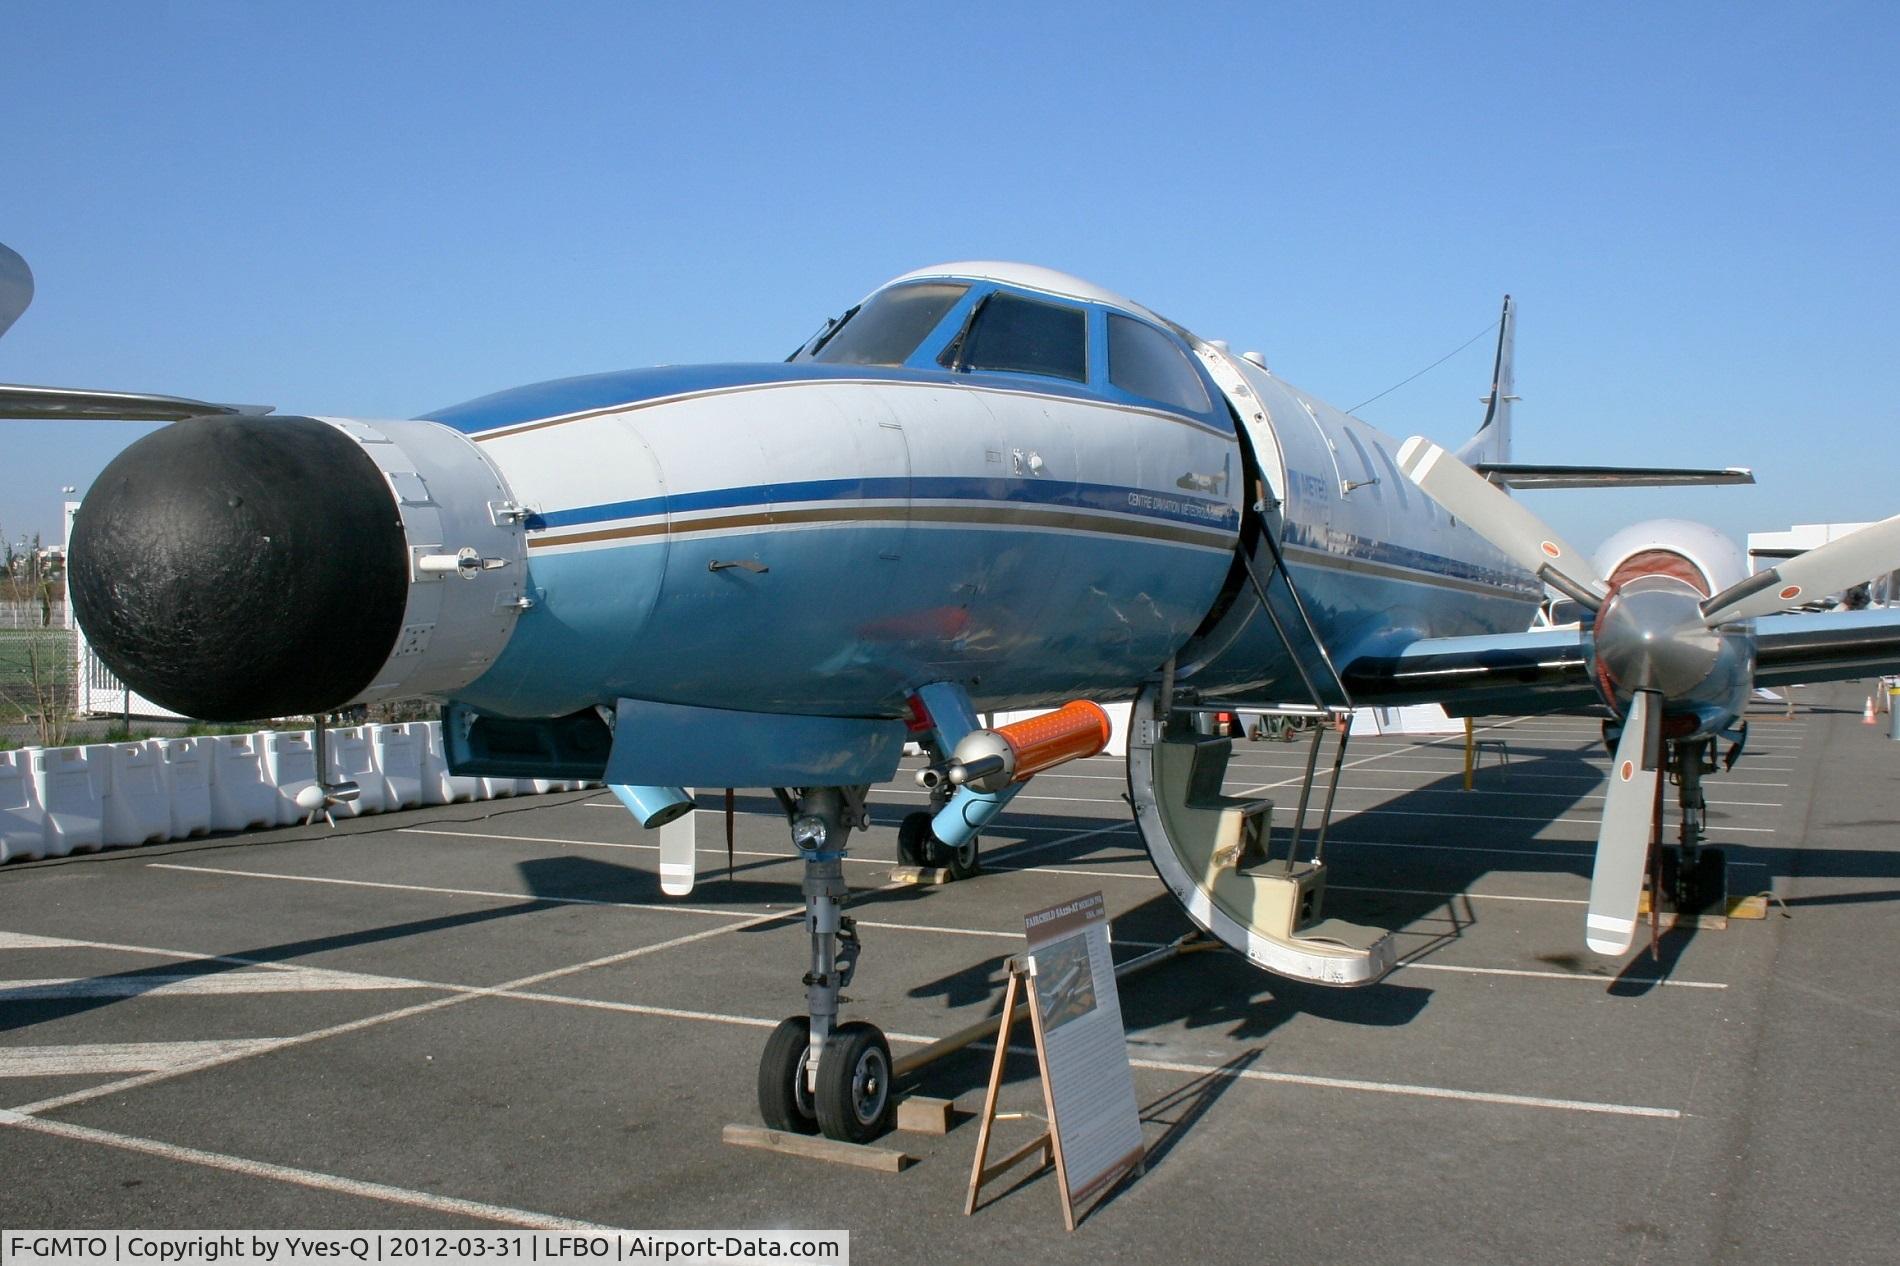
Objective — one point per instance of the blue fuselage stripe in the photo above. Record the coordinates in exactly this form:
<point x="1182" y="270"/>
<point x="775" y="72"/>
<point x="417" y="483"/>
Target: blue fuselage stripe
<point x="1171" y="507"/>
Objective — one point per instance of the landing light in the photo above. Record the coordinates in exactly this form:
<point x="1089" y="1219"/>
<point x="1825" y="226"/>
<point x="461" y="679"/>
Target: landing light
<point x="809" y="833"/>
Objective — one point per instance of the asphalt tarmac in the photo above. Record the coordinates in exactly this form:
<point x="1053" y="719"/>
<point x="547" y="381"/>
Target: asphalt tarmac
<point x="486" y="1015"/>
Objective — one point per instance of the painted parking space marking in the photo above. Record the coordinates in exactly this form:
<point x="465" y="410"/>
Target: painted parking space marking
<point x="120" y="1057"/>
<point x="1412" y="965"/>
<point x="461" y="995"/>
<point x="527" y="898"/>
<point x="1401" y="1088"/>
<point x="312" y="1179"/>
<point x="201" y="984"/>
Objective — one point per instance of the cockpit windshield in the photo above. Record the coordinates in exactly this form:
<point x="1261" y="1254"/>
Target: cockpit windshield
<point x="889" y="325"/>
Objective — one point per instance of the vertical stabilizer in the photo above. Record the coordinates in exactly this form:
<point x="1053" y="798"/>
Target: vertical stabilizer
<point x="16" y="286"/>
<point x="1492" y="443"/>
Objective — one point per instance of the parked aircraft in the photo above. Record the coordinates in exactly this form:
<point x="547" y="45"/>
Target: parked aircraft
<point x="986" y="486"/>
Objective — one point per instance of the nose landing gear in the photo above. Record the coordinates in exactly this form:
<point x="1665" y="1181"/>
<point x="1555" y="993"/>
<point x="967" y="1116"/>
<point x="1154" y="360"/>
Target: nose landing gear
<point x="816" y="1074"/>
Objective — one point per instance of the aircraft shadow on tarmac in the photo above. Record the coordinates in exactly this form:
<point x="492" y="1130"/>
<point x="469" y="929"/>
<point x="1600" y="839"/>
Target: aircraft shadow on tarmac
<point x="24" y="1010"/>
<point x="1418" y="891"/>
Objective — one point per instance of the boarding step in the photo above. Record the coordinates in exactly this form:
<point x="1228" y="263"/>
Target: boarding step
<point x="1212" y="851"/>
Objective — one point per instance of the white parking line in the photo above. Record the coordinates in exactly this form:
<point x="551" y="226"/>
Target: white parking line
<point x="649" y="848"/>
<point x="1004" y="823"/>
<point x="448" y="1205"/>
<point x="1400" y="1088"/>
<point x="120" y="1057"/>
<point x="462" y="994"/>
<point x="201" y="984"/>
<point x="524" y="897"/>
<point x="1413" y="965"/>
<point x="1517" y="817"/>
<point x="1472" y="896"/>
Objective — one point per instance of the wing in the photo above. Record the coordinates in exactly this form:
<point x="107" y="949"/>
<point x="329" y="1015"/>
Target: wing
<point x="1545" y="670"/>
<point x="38" y="404"/>
<point x="1527" y="475"/>
<point x="1826" y="646"/>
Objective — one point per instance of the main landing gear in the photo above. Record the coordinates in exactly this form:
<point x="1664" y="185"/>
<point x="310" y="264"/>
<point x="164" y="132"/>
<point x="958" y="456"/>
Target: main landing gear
<point x="816" y="1074"/>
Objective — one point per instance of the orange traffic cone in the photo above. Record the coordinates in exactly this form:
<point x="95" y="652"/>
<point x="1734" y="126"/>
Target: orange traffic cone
<point x="1867" y="717"/>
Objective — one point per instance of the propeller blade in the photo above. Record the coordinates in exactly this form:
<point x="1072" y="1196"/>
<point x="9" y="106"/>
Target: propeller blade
<point x="1505" y="523"/>
<point x="1616" y="884"/>
<point x="1856" y="557"/>
<point x="678" y="856"/>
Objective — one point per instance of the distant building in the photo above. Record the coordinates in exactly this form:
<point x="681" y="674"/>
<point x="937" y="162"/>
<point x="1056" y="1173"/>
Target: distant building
<point x="1765" y="549"/>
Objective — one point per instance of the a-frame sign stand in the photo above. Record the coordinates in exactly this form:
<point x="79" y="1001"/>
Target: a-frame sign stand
<point x="1048" y="1144"/>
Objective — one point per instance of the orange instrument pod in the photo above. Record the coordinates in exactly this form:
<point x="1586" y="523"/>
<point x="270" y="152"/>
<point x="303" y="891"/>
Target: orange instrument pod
<point x="1071" y="732"/>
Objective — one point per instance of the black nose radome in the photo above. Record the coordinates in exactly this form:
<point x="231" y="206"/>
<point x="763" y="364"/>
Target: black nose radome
<point x="237" y="567"/>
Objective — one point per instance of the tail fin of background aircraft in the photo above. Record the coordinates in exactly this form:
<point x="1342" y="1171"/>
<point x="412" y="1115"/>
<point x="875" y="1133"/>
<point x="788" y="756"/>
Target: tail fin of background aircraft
<point x="1492" y="443"/>
<point x="16" y="286"/>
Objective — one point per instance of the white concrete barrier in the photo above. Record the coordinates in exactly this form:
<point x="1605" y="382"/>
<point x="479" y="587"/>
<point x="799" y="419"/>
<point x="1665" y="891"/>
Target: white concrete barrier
<point x="439" y="786"/>
<point x="188" y="785"/>
<point x="242" y="795"/>
<point x="290" y="766"/>
<point x="68" y="789"/>
<point x="347" y="758"/>
<point x="397" y="755"/>
<point x="136" y="802"/>
<point x="60" y="800"/>
<point x="22" y="821"/>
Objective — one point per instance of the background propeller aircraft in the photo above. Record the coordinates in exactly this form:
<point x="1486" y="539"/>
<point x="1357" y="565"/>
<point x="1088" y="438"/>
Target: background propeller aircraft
<point x="986" y="486"/>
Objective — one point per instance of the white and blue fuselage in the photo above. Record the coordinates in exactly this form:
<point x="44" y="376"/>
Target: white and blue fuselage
<point x="1040" y="496"/>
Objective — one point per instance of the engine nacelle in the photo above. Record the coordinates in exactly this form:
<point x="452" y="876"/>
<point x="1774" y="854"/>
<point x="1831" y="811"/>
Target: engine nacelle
<point x="230" y="568"/>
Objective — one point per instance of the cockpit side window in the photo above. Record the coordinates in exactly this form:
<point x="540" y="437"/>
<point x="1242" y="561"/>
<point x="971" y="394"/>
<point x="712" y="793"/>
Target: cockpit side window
<point x="1011" y="334"/>
<point x="1145" y="362"/>
<point x="889" y="326"/>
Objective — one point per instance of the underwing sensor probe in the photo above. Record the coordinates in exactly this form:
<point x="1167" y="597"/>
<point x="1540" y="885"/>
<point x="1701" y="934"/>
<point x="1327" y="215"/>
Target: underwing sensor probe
<point x="990" y="760"/>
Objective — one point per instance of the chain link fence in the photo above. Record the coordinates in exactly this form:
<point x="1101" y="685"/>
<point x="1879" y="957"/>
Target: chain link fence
<point x="38" y="681"/>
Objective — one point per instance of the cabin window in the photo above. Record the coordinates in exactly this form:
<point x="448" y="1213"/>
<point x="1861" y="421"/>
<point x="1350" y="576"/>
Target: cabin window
<point x="1145" y="362"/>
<point x="1015" y="335"/>
<point x="889" y="326"/>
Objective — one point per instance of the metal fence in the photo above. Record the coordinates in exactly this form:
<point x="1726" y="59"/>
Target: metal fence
<point x="38" y="678"/>
<point x="33" y="615"/>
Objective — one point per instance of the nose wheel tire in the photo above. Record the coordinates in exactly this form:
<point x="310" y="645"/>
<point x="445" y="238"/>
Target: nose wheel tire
<point x="784" y="1103"/>
<point x="916" y="846"/>
<point x="963" y="863"/>
<point x="854" y="1083"/>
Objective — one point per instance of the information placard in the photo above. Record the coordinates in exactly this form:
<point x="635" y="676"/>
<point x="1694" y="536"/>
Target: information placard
<point x="1078" y="1021"/>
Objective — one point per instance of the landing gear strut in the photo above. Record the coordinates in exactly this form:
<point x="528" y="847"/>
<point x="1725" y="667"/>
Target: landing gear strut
<point x="817" y="1074"/>
<point x="1694" y="877"/>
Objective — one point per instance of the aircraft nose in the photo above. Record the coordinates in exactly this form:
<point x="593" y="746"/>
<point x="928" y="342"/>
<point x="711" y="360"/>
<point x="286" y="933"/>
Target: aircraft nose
<point x="229" y="568"/>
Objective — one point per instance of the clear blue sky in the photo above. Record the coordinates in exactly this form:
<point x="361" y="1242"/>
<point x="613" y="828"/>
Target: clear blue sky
<point x="373" y="209"/>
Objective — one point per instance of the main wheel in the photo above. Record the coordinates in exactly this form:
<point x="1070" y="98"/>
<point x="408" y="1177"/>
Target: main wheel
<point x="854" y="1084"/>
<point x="913" y="840"/>
<point x="784" y="1103"/>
